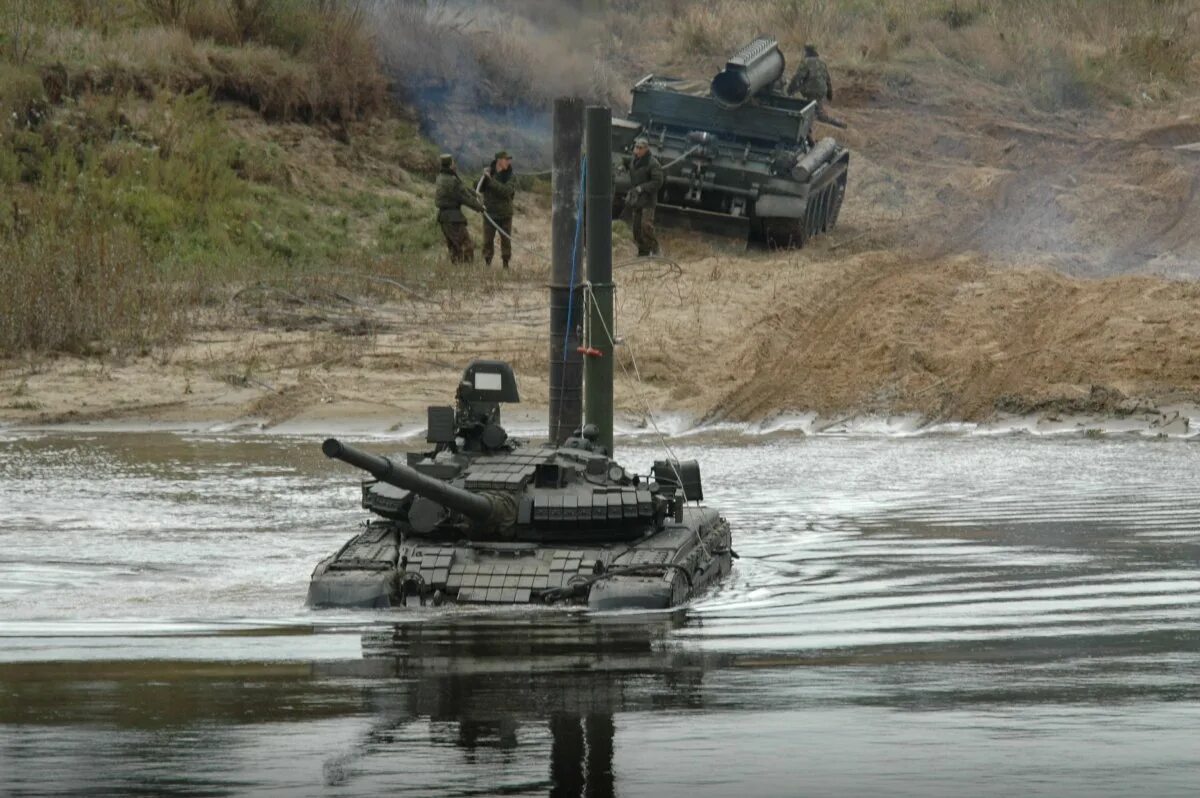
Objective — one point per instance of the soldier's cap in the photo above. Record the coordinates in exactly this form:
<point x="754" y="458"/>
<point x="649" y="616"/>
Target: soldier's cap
<point x="641" y="141"/>
<point x="446" y="159"/>
<point x="502" y="154"/>
<point x="810" y="48"/>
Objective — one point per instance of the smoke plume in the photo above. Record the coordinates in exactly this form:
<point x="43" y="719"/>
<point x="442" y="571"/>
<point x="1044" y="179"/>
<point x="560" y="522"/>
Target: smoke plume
<point x="483" y="75"/>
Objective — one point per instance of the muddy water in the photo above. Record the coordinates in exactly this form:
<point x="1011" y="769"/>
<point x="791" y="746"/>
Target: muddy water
<point x="920" y="616"/>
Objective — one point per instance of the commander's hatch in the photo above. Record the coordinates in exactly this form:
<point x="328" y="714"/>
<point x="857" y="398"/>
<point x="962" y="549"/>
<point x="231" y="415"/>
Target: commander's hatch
<point x="488" y="381"/>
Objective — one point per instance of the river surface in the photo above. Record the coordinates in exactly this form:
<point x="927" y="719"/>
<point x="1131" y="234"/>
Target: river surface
<point x="922" y="616"/>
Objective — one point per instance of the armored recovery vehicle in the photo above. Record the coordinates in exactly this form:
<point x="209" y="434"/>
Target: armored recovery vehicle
<point x="738" y="159"/>
<point x="483" y="518"/>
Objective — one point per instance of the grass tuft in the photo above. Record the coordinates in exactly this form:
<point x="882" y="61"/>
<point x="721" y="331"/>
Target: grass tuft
<point x="83" y="286"/>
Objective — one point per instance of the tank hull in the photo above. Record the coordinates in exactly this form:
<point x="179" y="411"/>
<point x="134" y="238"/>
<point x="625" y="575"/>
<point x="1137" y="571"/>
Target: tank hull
<point x="383" y="568"/>
<point x="784" y="221"/>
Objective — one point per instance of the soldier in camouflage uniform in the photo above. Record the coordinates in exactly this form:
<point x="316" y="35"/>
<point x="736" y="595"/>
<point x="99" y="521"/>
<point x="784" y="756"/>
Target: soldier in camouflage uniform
<point x="450" y="195"/>
<point x="646" y="179"/>
<point x="498" y="189"/>
<point x="813" y="83"/>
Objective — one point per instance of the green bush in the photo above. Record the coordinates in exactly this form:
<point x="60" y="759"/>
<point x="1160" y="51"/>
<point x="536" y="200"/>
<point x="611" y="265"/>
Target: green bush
<point x="22" y="99"/>
<point x="168" y="171"/>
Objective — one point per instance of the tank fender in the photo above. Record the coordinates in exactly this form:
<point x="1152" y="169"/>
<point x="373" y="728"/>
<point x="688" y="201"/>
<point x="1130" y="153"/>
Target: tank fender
<point x="351" y="588"/>
<point x="777" y="205"/>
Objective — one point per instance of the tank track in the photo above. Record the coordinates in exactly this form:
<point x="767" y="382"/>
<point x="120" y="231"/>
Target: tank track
<point x="820" y="216"/>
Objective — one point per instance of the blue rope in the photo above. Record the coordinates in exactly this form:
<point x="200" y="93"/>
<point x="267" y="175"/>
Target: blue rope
<point x="574" y="257"/>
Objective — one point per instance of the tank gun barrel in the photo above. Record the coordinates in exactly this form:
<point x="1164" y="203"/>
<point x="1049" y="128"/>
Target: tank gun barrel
<point x="474" y="506"/>
<point x="750" y="70"/>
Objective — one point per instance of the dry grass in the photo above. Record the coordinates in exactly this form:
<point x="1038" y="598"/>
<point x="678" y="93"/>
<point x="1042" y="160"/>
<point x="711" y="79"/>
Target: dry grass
<point x="483" y="74"/>
<point x="168" y="12"/>
<point x="1059" y="53"/>
<point x="288" y="59"/>
<point x="341" y="80"/>
<point x="83" y="287"/>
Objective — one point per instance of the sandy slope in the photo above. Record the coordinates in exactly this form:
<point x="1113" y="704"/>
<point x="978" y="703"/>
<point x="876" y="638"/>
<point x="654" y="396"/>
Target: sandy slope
<point x="990" y="259"/>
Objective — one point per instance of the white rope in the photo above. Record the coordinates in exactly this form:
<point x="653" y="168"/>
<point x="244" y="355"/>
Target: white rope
<point x="500" y="230"/>
<point x="672" y="458"/>
<point x="681" y="157"/>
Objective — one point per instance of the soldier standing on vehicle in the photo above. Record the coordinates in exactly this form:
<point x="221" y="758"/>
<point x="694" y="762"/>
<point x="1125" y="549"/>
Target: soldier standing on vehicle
<point x="646" y="179"/>
<point x="498" y="189"/>
<point x="450" y="195"/>
<point x="813" y="83"/>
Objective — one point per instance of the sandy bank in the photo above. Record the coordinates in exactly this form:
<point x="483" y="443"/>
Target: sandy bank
<point x="741" y="340"/>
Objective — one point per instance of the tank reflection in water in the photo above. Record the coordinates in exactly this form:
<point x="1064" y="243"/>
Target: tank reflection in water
<point x="475" y="706"/>
<point x="565" y="678"/>
<point x="918" y="617"/>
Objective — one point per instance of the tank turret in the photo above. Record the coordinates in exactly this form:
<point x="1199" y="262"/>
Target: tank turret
<point x="485" y="510"/>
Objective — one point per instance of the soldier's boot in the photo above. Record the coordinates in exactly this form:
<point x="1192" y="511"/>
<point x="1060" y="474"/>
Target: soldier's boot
<point x="639" y="238"/>
<point x="651" y="241"/>
<point x="506" y="241"/>
<point x="465" y="253"/>
<point x="468" y="246"/>
<point x="489" y="242"/>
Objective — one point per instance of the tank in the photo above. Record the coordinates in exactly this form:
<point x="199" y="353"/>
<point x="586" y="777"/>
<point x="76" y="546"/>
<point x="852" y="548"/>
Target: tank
<point x="739" y="157"/>
<point x="481" y="518"/>
<point x="478" y="517"/>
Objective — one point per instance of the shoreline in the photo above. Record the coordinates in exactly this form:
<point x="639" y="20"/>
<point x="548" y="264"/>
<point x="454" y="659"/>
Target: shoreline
<point x="528" y="421"/>
<point x="798" y="341"/>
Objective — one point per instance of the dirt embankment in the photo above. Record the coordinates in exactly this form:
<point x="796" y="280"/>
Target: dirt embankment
<point x="1002" y="261"/>
<point x="953" y="339"/>
<point x="990" y="259"/>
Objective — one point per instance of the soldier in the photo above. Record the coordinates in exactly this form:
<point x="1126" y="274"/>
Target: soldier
<point x="449" y="196"/>
<point x="646" y="178"/>
<point x="498" y="188"/>
<point x="812" y="82"/>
